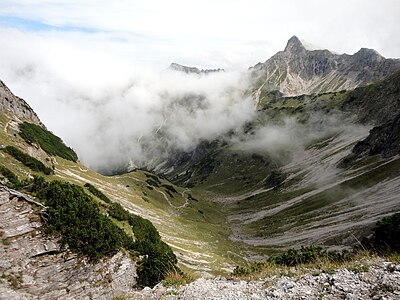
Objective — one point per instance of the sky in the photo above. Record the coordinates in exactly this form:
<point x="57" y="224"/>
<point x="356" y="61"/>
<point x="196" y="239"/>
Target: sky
<point x="83" y="64"/>
<point x="208" y="33"/>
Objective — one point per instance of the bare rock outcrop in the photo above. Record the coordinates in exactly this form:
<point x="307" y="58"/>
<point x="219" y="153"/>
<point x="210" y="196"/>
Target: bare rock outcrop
<point x="33" y="266"/>
<point x="15" y="105"/>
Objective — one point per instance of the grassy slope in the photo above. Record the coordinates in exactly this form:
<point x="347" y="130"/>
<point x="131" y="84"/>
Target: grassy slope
<point x="196" y="230"/>
<point x="233" y="214"/>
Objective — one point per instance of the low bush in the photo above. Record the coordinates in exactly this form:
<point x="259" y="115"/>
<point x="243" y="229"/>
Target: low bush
<point x="12" y="179"/>
<point x="307" y="255"/>
<point x="293" y="257"/>
<point x="76" y="217"/>
<point x="49" y="142"/>
<point x="97" y="193"/>
<point x="386" y="236"/>
<point x="158" y="258"/>
<point x="29" y="161"/>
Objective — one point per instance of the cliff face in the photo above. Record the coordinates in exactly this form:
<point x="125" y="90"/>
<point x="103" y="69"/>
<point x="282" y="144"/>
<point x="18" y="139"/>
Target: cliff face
<point x="33" y="266"/>
<point x="297" y="71"/>
<point x="15" y="105"/>
<point x="376" y="103"/>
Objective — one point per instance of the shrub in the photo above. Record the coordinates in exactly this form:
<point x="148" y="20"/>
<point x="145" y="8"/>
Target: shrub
<point x="77" y="218"/>
<point x="12" y="179"/>
<point x="29" y="161"/>
<point x="49" y="142"/>
<point x="294" y="257"/>
<point x="97" y="193"/>
<point x="386" y="236"/>
<point x="308" y="254"/>
<point x="158" y="260"/>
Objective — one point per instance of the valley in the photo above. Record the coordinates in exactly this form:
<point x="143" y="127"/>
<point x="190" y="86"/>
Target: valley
<point x="290" y="177"/>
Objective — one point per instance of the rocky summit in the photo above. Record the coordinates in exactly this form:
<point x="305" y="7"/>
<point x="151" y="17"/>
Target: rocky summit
<point x="192" y="70"/>
<point x="297" y="71"/>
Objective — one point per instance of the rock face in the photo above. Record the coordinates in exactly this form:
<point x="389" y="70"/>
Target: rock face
<point x="297" y="71"/>
<point x="384" y="140"/>
<point x="192" y="70"/>
<point x="376" y="103"/>
<point x="378" y="282"/>
<point x="17" y="106"/>
<point x="32" y="265"/>
<point x="379" y="104"/>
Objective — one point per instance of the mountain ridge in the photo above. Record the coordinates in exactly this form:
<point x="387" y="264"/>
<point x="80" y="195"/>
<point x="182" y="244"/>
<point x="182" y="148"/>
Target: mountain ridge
<point x="296" y="70"/>
<point x="16" y="105"/>
<point x="192" y="70"/>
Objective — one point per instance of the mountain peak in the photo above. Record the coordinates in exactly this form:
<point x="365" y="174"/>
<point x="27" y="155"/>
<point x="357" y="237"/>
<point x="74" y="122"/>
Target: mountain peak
<point x="188" y="70"/>
<point x="294" y="45"/>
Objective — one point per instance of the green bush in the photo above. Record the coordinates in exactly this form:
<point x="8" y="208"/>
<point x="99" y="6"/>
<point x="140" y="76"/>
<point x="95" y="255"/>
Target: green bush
<point x="386" y="237"/>
<point x="76" y="217"/>
<point x="294" y="257"/>
<point x="49" y="142"/>
<point x="308" y="254"/>
<point x="97" y="193"/>
<point x="29" y="161"/>
<point x="12" y="179"/>
<point x="158" y="260"/>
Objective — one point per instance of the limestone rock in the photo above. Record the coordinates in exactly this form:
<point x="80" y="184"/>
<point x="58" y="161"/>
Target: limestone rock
<point x="296" y="70"/>
<point x="33" y="266"/>
<point x="17" y="106"/>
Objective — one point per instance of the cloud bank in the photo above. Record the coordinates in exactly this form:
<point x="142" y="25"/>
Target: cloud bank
<point x="112" y="113"/>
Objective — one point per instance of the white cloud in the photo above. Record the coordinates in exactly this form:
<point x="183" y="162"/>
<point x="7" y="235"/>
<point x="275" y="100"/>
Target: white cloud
<point x="93" y="75"/>
<point x="109" y="109"/>
<point x="223" y="33"/>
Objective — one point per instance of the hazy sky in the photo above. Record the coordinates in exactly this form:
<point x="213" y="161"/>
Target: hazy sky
<point x="90" y="69"/>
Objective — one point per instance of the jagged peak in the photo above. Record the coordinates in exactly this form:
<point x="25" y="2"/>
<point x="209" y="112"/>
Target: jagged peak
<point x="186" y="69"/>
<point x="294" y="45"/>
<point x="368" y="52"/>
<point x="182" y="68"/>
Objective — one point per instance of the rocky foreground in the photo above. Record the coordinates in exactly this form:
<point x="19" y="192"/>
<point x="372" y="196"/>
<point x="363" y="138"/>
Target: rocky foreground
<point x="32" y="266"/>
<point x="379" y="281"/>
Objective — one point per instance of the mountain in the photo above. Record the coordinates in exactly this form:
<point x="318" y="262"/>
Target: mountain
<point x="267" y="186"/>
<point x="280" y="195"/>
<point x="297" y="71"/>
<point x="50" y="262"/>
<point x="192" y="70"/>
<point x="15" y="105"/>
<point x="376" y="103"/>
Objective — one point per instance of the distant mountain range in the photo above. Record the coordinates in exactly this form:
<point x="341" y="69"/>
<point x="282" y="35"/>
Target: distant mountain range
<point x="241" y="196"/>
<point x="192" y="70"/>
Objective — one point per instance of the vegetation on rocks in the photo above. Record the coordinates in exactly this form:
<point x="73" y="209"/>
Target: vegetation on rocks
<point x="386" y="236"/>
<point x="49" y="142"/>
<point x="158" y="260"/>
<point x="97" y="193"/>
<point x="293" y="257"/>
<point x="77" y="218"/>
<point x="11" y="180"/>
<point x="27" y="160"/>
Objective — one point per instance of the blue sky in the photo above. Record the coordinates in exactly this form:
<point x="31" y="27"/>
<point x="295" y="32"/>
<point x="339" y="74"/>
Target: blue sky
<point x="33" y="25"/>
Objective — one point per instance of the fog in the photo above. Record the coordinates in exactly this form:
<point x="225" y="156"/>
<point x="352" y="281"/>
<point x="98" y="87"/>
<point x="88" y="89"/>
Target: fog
<point x="114" y="112"/>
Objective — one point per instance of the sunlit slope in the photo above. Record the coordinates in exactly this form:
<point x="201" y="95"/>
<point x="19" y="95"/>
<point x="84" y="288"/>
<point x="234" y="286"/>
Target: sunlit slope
<point x="196" y="230"/>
